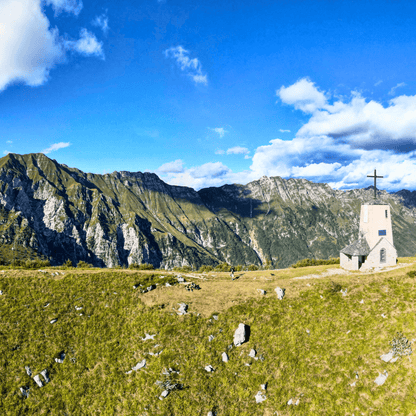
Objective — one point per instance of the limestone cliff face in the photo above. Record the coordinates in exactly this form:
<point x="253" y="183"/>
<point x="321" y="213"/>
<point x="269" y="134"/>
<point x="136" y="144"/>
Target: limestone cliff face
<point x="133" y="217"/>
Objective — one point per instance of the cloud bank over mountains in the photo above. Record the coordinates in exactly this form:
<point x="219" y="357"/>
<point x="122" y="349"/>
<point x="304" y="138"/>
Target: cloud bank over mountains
<point x="340" y="144"/>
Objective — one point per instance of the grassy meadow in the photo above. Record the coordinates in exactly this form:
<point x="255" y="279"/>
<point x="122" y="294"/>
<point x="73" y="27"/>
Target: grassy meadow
<point x="103" y="340"/>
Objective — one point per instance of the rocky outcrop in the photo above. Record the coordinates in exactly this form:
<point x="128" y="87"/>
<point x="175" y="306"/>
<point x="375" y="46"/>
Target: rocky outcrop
<point x="121" y="218"/>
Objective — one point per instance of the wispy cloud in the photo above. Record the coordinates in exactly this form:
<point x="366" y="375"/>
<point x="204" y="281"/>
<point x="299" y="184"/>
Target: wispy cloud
<point x="238" y="150"/>
<point x="55" y="146"/>
<point x="219" y="130"/>
<point x="101" y="22"/>
<point x="393" y="90"/>
<point x="284" y="131"/>
<point x="219" y="152"/>
<point x="6" y="152"/>
<point x="378" y="83"/>
<point x="69" y="6"/>
<point x="9" y="142"/>
<point x="191" y="67"/>
<point x="86" y="45"/>
<point x="171" y="167"/>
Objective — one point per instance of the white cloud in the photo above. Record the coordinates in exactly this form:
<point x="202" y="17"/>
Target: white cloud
<point x="220" y="131"/>
<point x="192" y="67"/>
<point x="378" y="83"/>
<point x="219" y="152"/>
<point x="6" y="152"/>
<point x="101" y="22"/>
<point x="303" y="95"/>
<point x="238" y="150"/>
<point x="284" y="131"/>
<point x="86" y="45"/>
<point x="393" y="90"/>
<point x="29" y="47"/>
<point x="55" y="146"/>
<point x="69" y="6"/>
<point x="171" y="167"/>
<point x="9" y="141"/>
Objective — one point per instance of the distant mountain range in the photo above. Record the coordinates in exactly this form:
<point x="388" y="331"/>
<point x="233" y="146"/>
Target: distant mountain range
<point x="58" y="212"/>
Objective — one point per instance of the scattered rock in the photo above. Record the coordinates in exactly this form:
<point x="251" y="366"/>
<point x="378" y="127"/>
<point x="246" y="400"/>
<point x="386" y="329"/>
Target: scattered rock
<point x="38" y="381"/>
<point x="78" y="308"/>
<point x="308" y="332"/>
<point x="183" y="307"/>
<point x="149" y="288"/>
<point x="348" y="331"/>
<point x="362" y="301"/>
<point x="46" y="305"/>
<point x="381" y="378"/>
<point x="389" y="357"/>
<point x="263" y="386"/>
<point x="164" y="394"/>
<point x="321" y="297"/>
<point x="180" y="279"/>
<point x="61" y="358"/>
<point x="138" y="366"/>
<point x="290" y="402"/>
<point x="225" y="357"/>
<point x="384" y="316"/>
<point x="25" y="391"/>
<point x="53" y="321"/>
<point x="260" y="397"/>
<point x="147" y="336"/>
<point x="344" y="292"/>
<point x="1" y="292"/>
<point x="45" y="375"/>
<point x="215" y="317"/>
<point x="262" y="292"/>
<point x="210" y="338"/>
<point x="191" y="286"/>
<point x="209" y="368"/>
<point x="297" y="402"/>
<point x="28" y="371"/>
<point x="241" y="334"/>
<point x="353" y="384"/>
<point x="280" y="293"/>
<point x="252" y="353"/>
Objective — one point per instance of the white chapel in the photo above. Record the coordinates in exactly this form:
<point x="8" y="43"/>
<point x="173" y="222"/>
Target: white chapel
<point x="374" y="247"/>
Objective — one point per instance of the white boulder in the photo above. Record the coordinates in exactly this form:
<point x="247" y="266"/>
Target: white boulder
<point x="280" y="293"/>
<point x="225" y="357"/>
<point x="28" y="371"/>
<point x="381" y="378"/>
<point x="24" y="391"/>
<point x="45" y="375"/>
<point x="38" y="381"/>
<point x="240" y="335"/>
<point x="164" y="394"/>
<point x="183" y="307"/>
<point x="260" y="397"/>
<point x="147" y="336"/>
<point x="209" y="368"/>
<point x="262" y="292"/>
<point x="252" y="353"/>
<point x="53" y="321"/>
<point x="210" y="338"/>
<point x="61" y="358"/>
<point x="138" y="366"/>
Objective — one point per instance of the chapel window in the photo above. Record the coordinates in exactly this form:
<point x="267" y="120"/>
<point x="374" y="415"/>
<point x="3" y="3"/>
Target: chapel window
<point x="383" y="255"/>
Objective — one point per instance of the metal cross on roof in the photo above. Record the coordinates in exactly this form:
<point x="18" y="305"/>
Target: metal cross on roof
<point x="375" y="178"/>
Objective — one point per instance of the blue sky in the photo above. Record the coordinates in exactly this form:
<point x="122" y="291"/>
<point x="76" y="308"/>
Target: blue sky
<point x="209" y="93"/>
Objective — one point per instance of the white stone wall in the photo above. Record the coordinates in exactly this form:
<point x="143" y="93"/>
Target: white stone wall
<point x="347" y="263"/>
<point x="372" y="219"/>
<point x="373" y="259"/>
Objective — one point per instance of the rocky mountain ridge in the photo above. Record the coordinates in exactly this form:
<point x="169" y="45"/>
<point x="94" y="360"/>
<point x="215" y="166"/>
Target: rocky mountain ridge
<point x="132" y="217"/>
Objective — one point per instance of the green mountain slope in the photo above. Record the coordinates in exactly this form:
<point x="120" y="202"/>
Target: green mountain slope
<point x="61" y="213"/>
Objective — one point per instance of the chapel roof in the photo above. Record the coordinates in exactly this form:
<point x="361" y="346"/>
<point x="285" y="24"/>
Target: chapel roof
<point x="359" y="247"/>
